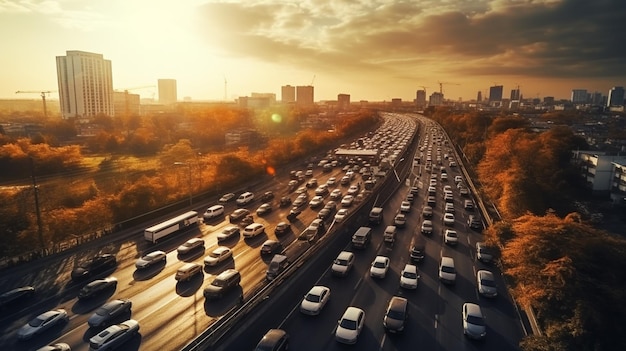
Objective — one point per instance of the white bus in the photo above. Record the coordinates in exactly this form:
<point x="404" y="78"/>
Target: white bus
<point x="170" y="226"/>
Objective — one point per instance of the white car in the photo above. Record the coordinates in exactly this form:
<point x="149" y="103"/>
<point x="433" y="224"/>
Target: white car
<point x="449" y="207"/>
<point x="350" y="325"/>
<point x="315" y="300"/>
<point x="316" y="201"/>
<point x="336" y="194"/>
<point x="450" y="237"/>
<point x="448" y="219"/>
<point x="405" y="206"/>
<point x="432" y="190"/>
<point x="447" y="270"/>
<point x="347" y="201"/>
<point x="150" y="259"/>
<point x="486" y="283"/>
<point x="409" y="277"/>
<point x="341" y="215"/>
<point x="220" y="254"/>
<point x="228" y="232"/>
<point x="114" y="336"/>
<point x="399" y="220"/>
<point x="353" y="189"/>
<point x="41" y="323"/>
<point x="379" y="267"/>
<point x="253" y="230"/>
<point x="473" y="321"/>
<point x="190" y="245"/>
<point x="331" y="181"/>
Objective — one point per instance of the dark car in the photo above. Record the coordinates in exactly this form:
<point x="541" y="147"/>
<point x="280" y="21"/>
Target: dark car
<point x="108" y="312"/>
<point x="282" y="228"/>
<point x="285" y="201"/>
<point x="246" y="221"/>
<point x="96" y="287"/>
<point x="93" y="266"/>
<point x="267" y="196"/>
<point x="293" y="214"/>
<point x="16" y="295"/>
<point x="274" y="340"/>
<point x="271" y="247"/>
<point x="324" y="213"/>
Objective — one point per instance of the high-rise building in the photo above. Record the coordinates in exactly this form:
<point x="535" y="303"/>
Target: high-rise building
<point x="287" y="94"/>
<point x="85" y="84"/>
<point x="616" y="97"/>
<point x="420" y="99"/>
<point x="436" y="99"/>
<point x="579" y="96"/>
<point x="343" y="101"/>
<point x="168" y="93"/>
<point x="479" y="98"/>
<point x="495" y="93"/>
<point x="304" y="95"/>
<point x="515" y="94"/>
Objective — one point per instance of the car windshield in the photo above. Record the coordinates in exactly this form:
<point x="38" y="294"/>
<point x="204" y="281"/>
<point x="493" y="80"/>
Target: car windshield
<point x="393" y="314"/>
<point x="218" y="283"/>
<point x="447" y="269"/>
<point x="341" y="262"/>
<point x="214" y="254"/>
<point x="488" y="282"/>
<point x="348" y="324"/>
<point x="37" y="322"/>
<point x="452" y="234"/>
<point x="313" y="297"/>
<point x="409" y="275"/>
<point x="102" y="311"/>
<point x="379" y="264"/>
<point x="475" y="320"/>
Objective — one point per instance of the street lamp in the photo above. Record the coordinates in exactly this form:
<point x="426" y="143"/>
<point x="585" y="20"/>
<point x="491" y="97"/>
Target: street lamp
<point x="189" y="179"/>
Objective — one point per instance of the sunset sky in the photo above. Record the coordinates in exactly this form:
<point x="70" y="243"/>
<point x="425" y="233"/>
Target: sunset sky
<point x="371" y="49"/>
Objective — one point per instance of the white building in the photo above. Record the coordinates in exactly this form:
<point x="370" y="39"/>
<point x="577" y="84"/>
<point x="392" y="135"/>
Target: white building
<point x="85" y="85"/>
<point x="168" y="93"/>
<point x="603" y="173"/>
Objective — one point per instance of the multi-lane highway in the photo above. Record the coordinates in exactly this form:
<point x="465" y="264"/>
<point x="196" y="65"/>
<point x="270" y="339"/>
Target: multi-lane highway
<point x="172" y="313"/>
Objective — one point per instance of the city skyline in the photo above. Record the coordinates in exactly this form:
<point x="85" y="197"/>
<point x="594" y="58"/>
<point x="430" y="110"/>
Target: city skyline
<point x="369" y="50"/>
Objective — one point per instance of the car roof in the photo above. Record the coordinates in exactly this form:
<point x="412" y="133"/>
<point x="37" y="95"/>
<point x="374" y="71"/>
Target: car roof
<point x="398" y="303"/>
<point x="221" y="249"/>
<point x="410" y="268"/>
<point x="473" y="309"/>
<point x="352" y="313"/>
<point x="345" y="255"/>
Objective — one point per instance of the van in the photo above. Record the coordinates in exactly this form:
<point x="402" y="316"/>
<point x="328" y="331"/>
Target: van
<point x="343" y="263"/>
<point x="376" y="215"/>
<point x="245" y="198"/>
<point x="222" y="284"/>
<point x="276" y="266"/>
<point x="417" y="248"/>
<point x="468" y="205"/>
<point x="188" y="271"/>
<point x="213" y="212"/>
<point x="362" y="237"/>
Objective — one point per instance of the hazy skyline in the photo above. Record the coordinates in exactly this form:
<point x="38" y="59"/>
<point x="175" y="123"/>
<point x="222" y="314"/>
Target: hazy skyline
<point x="372" y="50"/>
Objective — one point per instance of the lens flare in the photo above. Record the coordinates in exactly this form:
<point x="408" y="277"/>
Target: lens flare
<point x="270" y="170"/>
<point x="276" y="118"/>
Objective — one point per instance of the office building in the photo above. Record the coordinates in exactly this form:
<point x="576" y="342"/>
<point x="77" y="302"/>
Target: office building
<point x="515" y="95"/>
<point x="479" y="97"/>
<point x="343" y="101"/>
<point x="125" y="104"/>
<point x="85" y="83"/>
<point x="436" y="99"/>
<point x="167" y="91"/>
<point x="304" y="95"/>
<point x="287" y="94"/>
<point x="616" y="97"/>
<point x="420" y="99"/>
<point x="495" y="93"/>
<point x="579" y="96"/>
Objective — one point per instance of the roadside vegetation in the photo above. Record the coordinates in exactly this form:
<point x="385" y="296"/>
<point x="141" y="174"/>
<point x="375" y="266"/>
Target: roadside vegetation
<point x="134" y="165"/>
<point x="556" y="261"/>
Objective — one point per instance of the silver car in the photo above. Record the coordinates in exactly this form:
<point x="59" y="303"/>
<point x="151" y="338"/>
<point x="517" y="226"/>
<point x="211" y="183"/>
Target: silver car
<point x="148" y="260"/>
<point x="473" y="321"/>
<point x="486" y="283"/>
<point x="108" y="312"/>
<point x="41" y="323"/>
<point x="114" y="335"/>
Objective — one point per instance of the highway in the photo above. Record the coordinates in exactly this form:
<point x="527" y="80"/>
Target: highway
<point x="171" y="314"/>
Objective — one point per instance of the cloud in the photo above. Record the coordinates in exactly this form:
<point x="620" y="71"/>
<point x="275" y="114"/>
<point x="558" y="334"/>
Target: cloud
<point x="567" y="38"/>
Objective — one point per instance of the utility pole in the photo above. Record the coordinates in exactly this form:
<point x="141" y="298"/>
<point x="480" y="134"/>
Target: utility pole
<point x="36" y="189"/>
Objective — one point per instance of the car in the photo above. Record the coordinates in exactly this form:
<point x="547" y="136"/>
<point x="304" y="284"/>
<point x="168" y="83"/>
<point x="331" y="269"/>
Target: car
<point x="448" y="219"/>
<point x="405" y="206"/>
<point x="223" y="283"/>
<point x="246" y="221"/>
<point x="253" y="230"/>
<point x="220" y="254"/>
<point x="433" y="182"/>
<point x="228" y="197"/>
<point x="431" y="201"/>
<point x="432" y="190"/>
<point x="312" y="183"/>
<point x="284" y="201"/>
<point x="154" y="257"/>
<point x="238" y="215"/>
<point x="449" y="207"/>
<point x="409" y="276"/>
<point x="452" y="164"/>
<point x="274" y="340"/>
<point x="347" y="201"/>
<point x="399" y="220"/>
<point x="300" y="201"/>
<point x="267" y="196"/>
<point x="16" y="296"/>
<point x="271" y="247"/>
<point x="61" y="346"/>
<point x="486" y="283"/>
<point x="341" y="215"/>
<point x="427" y="212"/>
<point x="343" y="263"/>
<point x="474" y="223"/>
<point x="293" y="184"/>
<point x="114" y="336"/>
<point x="444" y="177"/>
<point x="293" y="214"/>
<point x="96" y="287"/>
<point x="448" y="197"/>
<point x="464" y="191"/>
<point x="321" y="190"/>
<point x="396" y="314"/>
<point x="301" y="190"/>
<point x="324" y="213"/>
<point x="308" y="173"/>
<point x="282" y="228"/>
<point x="427" y="227"/>
<point x="331" y="181"/>
<point x="389" y="235"/>
<point x="483" y="253"/>
<point x="314" y="229"/>
<point x="336" y="194"/>
<point x="315" y="300"/>
<point x="213" y="212"/>
<point x="345" y="180"/>
<point x="264" y="209"/>
<point x="350" y="325"/>
<point x="450" y="237"/>
<point x="447" y="271"/>
<point x="410" y="197"/>
<point x="353" y="190"/>
<point x="473" y="321"/>
<point x="331" y="205"/>
<point x="414" y="190"/>
<point x="42" y="323"/>
<point x="244" y="199"/>
<point x="190" y="245"/>
<point x="316" y="201"/>
<point x="379" y="267"/>
<point x="458" y="179"/>
<point x="108" y="312"/>
<point x="188" y="271"/>
<point x="227" y="233"/>
<point x="97" y="264"/>
<point x="447" y="188"/>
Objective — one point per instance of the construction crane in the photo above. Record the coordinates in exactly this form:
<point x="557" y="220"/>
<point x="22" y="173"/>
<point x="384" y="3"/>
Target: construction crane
<point x="441" y="86"/>
<point x="43" y="97"/>
<point x="423" y="88"/>
<point x="313" y="80"/>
